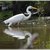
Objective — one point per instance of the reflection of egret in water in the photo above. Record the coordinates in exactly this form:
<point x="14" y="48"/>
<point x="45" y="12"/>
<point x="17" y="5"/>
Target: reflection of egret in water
<point x="15" y="33"/>
<point x="30" y="40"/>
<point x="18" y="33"/>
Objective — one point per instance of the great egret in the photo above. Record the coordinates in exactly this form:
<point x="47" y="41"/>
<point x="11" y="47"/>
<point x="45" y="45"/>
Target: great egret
<point x="19" y="17"/>
<point x="20" y="34"/>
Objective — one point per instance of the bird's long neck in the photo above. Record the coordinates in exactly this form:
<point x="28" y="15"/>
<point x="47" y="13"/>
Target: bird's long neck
<point x="29" y="13"/>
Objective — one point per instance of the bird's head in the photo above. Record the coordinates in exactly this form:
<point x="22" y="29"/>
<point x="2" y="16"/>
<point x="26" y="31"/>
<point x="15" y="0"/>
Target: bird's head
<point x="31" y="7"/>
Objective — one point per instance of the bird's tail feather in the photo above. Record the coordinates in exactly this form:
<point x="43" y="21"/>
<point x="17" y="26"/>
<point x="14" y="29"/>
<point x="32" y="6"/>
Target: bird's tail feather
<point x="5" y="21"/>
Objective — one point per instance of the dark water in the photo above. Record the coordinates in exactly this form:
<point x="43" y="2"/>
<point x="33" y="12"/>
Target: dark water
<point x="42" y="41"/>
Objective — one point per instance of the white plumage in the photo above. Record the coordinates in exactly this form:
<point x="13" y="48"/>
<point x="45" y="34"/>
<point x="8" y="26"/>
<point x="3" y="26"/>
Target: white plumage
<point x="19" y="17"/>
<point x="15" y="19"/>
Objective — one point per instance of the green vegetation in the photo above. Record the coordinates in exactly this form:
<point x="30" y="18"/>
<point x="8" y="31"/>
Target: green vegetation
<point x="5" y="14"/>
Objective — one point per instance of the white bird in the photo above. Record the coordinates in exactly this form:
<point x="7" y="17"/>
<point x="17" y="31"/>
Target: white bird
<point x="20" y="34"/>
<point x="19" y="17"/>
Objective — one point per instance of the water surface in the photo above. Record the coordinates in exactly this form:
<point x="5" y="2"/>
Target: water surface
<point x="42" y="41"/>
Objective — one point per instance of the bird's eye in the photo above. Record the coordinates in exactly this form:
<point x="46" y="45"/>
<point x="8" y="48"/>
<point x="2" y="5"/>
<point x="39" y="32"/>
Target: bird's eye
<point x="30" y="9"/>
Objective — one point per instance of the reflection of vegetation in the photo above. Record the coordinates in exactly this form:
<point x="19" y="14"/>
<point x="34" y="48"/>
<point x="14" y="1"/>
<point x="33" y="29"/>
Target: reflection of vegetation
<point x="48" y="44"/>
<point x="43" y="41"/>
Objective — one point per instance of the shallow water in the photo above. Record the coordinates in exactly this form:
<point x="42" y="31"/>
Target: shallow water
<point x="42" y="41"/>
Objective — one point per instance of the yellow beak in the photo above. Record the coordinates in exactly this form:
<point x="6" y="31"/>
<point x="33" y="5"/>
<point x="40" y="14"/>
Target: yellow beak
<point x="34" y="7"/>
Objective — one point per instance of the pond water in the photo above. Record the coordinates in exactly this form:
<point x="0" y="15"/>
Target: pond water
<point x="19" y="40"/>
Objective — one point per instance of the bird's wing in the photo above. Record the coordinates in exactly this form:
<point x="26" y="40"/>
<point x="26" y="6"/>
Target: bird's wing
<point x="15" y="18"/>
